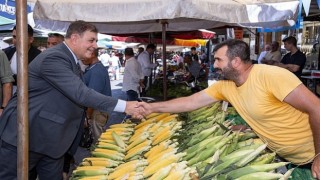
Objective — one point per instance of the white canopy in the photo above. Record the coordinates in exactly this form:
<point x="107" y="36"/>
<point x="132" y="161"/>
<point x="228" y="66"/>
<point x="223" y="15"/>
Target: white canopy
<point x="137" y="16"/>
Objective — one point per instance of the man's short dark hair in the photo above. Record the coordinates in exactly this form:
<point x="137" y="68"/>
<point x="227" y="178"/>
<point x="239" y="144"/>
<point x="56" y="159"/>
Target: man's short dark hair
<point x="236" y="48"/>
<point x="290" y="40"/>
<point x="56" y="35"/>
<point x="193" y="48"/>
<point x="151" y="46"/>
<point x="30" y="30"/>
<point x="79" y="27"/>
<point x="128" y="52"/>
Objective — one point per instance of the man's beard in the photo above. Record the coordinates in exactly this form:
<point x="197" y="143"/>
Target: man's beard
<point x="228" y="73"/>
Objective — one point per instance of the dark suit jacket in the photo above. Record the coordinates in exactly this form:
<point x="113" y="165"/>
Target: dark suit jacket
<point x="57" y="97"/>
<point x="32" y="53"/>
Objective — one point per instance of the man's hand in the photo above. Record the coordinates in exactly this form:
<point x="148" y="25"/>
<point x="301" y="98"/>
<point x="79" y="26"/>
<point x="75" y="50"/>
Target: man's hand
<point x="1" y="110"/>
<point x="316" y="167"/>
<point x="133" y="109"/>
<point x="147" y="108"/>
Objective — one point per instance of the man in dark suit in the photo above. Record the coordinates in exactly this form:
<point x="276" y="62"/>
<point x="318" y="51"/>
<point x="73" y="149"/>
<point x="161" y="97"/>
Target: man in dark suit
<point x="57" y="97"/>
<point x="12" y="55"/>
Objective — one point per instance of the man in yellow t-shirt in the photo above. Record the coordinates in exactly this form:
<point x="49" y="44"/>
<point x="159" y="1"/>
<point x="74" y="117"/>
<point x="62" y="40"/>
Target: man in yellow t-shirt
<point x="277" y="106"/>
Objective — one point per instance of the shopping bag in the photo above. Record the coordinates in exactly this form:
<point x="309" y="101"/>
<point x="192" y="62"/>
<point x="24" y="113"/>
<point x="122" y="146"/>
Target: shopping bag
<point x="87" y="137"/>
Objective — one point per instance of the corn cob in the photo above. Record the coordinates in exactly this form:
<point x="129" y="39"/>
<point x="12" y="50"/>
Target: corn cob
<point x="91" y="171"/>
<point x="120" y="129"/>
<point x="106" y="154"/>
<point x="167" y="127"/>
<point x="109" y="138"/>
<point x="155" y="127"/>
<point x="139" y="140"/>
<point x="111" y="141"/>
<point x="209" y="151"/>
<point x="110" y="146"/>
<point x="177" y="175"/>
<point x="139" y="133"/>
<point x="201" y="145"/>
<point x="151" y="120"/>
<point x="158" y="148"/>
<point x="263" y="159"/>
<point x="151" y="169"/>
<point x="162" y="173"/>
<point x="249" y="142"/>
<point x="137" y="151"/>
<point x="165" y="136"/>
<point x="261" y="176"/>
<point x="123" y="125"/>
<point x="287" y="175"/>
<point x="99" y="177"/>
<point x="152" y="115"/>
<point x="254" y="168"/>
<point x="202" y="135"/>
<point x="236" y="154"/>
<point x="100" y="162"/>
<point x="127" y="168"/>
<point x="118" y="140"/>
<point x="251" y="156"/>
<point x="120" y="133"/>
<point x="169" y="118"/>
<point x="162" y="155"/>
<point x="221" y="168"/>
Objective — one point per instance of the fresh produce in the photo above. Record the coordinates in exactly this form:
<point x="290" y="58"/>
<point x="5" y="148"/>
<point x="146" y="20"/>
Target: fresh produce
<point x="193" y="145"/>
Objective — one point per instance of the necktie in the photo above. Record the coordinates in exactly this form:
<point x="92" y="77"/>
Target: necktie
<point x="80" y="71"/>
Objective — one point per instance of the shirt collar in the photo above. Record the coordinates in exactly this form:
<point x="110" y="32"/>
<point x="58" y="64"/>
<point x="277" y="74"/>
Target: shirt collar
<point x="74" y="56"/>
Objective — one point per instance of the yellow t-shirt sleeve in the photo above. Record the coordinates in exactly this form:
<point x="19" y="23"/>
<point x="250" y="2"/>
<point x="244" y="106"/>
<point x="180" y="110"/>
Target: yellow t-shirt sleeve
<point x="281" y="82"/>
<point x="214" y="91"/>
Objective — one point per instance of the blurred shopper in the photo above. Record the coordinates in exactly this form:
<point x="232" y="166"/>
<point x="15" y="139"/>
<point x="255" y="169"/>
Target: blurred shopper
<point x="54" y="39"/>
<point x="133" y="76"/>
<point x="273" y="56"/>
<point x="96" y="77"/>
<point x="194" y="54"/>
<point x="115" y="65"/>
<point x="295" y="60"/>
<point x="267" y="48"/>
<point x="6" y="81"/>
<point x="203" y="57"/>
<point x="146" y="65"/>
<point x="140" y="50"/>
<point x="104" y="58"/>
<point x="12" y="54"/>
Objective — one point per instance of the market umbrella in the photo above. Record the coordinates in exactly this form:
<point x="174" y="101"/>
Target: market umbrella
<point x="137" y="16"/>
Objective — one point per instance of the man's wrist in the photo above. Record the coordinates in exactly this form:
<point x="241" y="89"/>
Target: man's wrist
<point x="2" y="107"/>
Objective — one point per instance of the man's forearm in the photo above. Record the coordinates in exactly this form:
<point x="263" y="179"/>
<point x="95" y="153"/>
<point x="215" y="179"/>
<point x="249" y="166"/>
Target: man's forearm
<point x="7" y="93"/>
<point x="183" y="104"/>
<point x="315" y="124"/>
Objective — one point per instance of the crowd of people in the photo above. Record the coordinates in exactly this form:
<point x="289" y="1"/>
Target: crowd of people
<point x="270" y="97"/>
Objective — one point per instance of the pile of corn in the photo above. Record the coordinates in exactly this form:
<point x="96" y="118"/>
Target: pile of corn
<point x="201" y="146"/>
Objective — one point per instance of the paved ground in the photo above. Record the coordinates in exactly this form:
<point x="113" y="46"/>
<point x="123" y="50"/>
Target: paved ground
<point x="116" y="86"/>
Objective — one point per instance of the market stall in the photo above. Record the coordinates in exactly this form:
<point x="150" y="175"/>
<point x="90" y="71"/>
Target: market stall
<point x="192" y="145"/>
<point x="127" y="16"/>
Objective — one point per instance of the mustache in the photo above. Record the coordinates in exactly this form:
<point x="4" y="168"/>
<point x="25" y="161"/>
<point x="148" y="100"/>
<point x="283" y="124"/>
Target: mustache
<point x="217" y="70"/>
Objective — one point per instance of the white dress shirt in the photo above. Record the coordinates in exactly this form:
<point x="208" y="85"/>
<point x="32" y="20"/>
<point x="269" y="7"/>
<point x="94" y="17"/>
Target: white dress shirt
<point x="146" y="65"/>
<point x="132" y="75"/>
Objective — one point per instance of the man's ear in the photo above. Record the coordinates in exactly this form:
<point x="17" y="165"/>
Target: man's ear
<point x="236" y="62"/>
<point x="31" y="39"/>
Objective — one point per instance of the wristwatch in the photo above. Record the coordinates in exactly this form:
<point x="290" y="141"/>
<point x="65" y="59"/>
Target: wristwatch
<point x="2" y="107"/>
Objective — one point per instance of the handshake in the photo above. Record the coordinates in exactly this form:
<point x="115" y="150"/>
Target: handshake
<point x="138" y="110"/>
